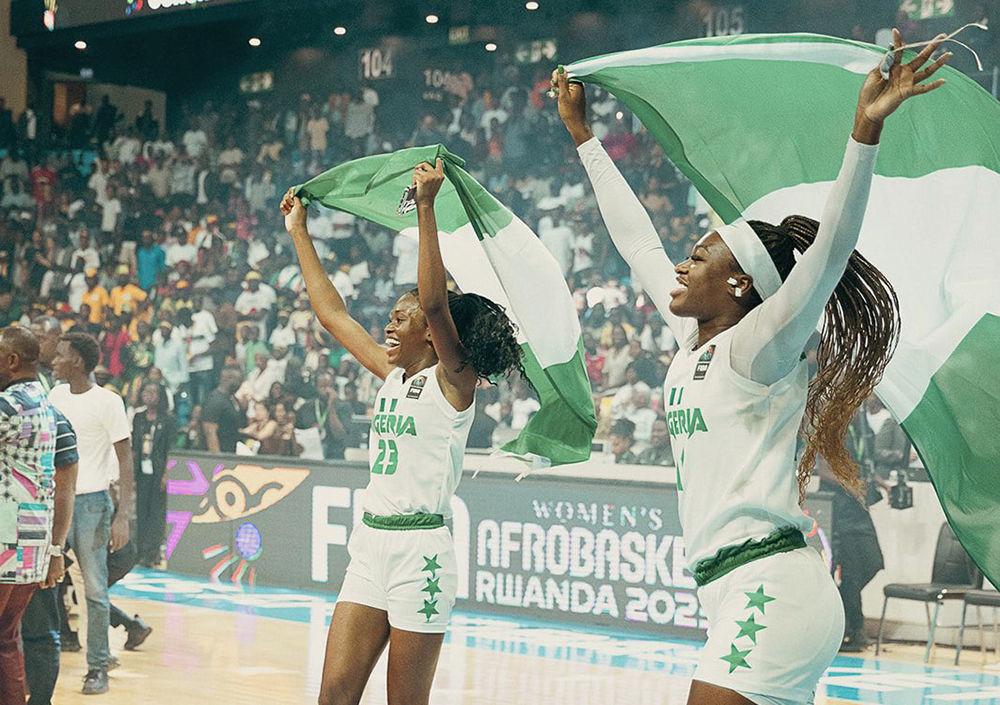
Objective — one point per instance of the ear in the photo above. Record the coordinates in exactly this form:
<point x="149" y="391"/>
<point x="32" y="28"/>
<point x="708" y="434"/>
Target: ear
<point x="741" y="285"/>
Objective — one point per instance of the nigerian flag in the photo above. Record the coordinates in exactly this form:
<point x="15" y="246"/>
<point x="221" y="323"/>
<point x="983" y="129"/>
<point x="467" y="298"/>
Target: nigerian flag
<point x="759" y="124"/>
<point x="488" y="251"/>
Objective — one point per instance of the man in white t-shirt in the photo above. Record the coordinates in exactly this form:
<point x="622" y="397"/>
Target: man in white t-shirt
<point x="404" y="249"/>
<point x="102" y="429"/>
<point x="258" y="297"/>
<point x="523" y="407"/>
<point x="111" y="208"/>
<point x="201" y="367"/>
<point x="583" y="252"/>
<point x="557" y="236"/>
<point x="86" y="253"/>
<point x="256" y="301"/>
<point x="195" y="140"/>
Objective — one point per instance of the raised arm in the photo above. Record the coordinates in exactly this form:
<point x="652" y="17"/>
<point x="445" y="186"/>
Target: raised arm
<point x="627" y="221"/>
<point x="458" y="380"/>
<point x="326" y="301"/>
<point x="768" y="341"/>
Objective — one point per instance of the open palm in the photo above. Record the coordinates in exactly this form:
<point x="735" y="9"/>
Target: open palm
<point x="880" y="97"/>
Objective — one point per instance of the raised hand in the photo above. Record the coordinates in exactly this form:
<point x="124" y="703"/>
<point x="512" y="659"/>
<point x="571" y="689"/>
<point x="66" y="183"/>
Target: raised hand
<point x="428" y="180"/>
<point x="880" y="97"/>
<point x="572" y="104"/>
<point x="293" y="210"/>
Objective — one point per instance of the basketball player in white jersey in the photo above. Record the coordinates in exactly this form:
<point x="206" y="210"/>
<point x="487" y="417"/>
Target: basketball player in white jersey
<point x="743" y="308"/>
<point x="401" y="582"/>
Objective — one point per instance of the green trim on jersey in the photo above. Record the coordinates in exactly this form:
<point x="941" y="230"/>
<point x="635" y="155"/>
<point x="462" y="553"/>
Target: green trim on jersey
<point x="729" y="558"/>
<point x="403" y="522"/>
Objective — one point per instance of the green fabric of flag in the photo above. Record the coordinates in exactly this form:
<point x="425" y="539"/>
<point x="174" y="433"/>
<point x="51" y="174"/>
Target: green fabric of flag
<point x="488" y="251"/>
<point x="759" y="124"/>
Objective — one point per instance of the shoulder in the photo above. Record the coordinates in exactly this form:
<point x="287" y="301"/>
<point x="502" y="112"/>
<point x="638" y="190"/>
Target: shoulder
<point x="106" y="396"/>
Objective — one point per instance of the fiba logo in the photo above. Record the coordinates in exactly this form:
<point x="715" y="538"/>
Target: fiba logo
<point x="133" y="6"/>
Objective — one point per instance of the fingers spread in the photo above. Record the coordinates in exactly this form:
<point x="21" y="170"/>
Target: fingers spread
<point x="926" y="53"/>
<point x="929" y="71"/>
<point x="928" y="87"/>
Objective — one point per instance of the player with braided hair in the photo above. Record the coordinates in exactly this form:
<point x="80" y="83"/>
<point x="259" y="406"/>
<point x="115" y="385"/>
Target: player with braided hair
<point x="402" y="579"/>
<point x="748" y="300"/>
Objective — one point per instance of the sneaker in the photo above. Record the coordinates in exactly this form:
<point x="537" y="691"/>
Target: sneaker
<point x="138" y="631"/>
<point x="70" y="643"/>
<point x="855" y="643"/>
<point x="113" y="662"/>
<point x="96" y="682"/>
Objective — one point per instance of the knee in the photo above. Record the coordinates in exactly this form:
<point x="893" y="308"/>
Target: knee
<point x="340" y="690"/>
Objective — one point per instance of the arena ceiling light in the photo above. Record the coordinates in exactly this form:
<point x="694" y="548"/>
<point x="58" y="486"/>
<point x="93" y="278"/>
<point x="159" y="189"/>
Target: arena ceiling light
<point x="340" y="31"/>
<point x="80" y="44"/>
<point x="432" y="19"/>
<point x="491" y="47"/>
<point x="254" y="41"/>
<point x="531" y="5"/>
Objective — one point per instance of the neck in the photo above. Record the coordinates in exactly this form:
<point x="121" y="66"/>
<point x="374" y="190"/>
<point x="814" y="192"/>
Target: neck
<point x="427" y="360"/>
<point x="21" y="377"/>
<point x="710" y="328"/>
<point x="151" y="412"/>
<point x="78" y="384"/>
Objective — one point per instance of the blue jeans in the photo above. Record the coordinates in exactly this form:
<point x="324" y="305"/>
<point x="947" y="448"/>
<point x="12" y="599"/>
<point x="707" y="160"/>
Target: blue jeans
<point x="89" y="538"/>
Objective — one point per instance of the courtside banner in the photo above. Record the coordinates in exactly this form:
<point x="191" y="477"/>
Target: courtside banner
<point x="561" y="549"/>
<point x="759" y="124"/>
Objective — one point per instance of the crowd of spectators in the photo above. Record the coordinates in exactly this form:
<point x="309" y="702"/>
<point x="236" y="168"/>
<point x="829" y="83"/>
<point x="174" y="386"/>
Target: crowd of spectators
<point x="168" y="246"/>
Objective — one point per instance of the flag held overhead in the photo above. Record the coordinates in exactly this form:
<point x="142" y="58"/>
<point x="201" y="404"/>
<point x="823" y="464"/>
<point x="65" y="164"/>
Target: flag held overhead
<point x="758" y="123"/>
<point x="488" y="251"/>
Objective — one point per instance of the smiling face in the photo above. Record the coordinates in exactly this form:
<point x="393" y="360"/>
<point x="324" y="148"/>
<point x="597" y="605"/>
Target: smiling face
<point x="406" y="336"/>
<point x="703" y="292"/>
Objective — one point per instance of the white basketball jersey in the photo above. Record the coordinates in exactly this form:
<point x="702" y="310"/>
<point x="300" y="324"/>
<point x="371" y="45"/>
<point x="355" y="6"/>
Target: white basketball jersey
<point x="733" y="442"/>
<point x="415" y="447"/>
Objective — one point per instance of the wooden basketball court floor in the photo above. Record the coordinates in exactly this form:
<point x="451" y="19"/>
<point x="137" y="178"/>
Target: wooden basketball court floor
<point x="221" y="643"/>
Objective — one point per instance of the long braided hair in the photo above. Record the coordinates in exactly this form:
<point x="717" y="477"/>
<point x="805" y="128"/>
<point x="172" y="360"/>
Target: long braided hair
<point x="487" y="334"/>
<point x="860" y="331"/>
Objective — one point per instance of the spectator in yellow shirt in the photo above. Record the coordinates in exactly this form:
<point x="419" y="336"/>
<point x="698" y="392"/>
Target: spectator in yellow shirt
<point x="177" y="297"/>
<point x="144" y="314"/>
<point x="126" y="296"/>
<point x="96" y="297"/>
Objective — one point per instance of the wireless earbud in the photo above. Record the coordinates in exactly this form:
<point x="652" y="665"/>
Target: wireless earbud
<point x="732" y="282"/>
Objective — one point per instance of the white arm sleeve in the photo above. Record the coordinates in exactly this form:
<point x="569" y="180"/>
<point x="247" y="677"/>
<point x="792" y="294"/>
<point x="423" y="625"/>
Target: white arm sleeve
<point x="633" y="234"/>
<point x="767" y="343"/>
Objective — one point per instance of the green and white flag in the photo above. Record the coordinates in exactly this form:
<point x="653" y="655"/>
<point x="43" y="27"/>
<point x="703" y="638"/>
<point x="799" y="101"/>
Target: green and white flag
<point x="490" y="252"/>
<point x="759" y="124"/>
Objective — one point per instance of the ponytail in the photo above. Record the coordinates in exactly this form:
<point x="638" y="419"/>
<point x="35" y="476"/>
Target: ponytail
<point x="860" y="330"/>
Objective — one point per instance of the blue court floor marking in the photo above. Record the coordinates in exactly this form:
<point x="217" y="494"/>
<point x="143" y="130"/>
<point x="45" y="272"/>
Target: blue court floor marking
<point x="859" y="680"/>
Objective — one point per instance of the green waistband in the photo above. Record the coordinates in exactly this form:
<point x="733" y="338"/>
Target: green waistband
<point x="730" y="558"/>
<point x="404" y="522"/>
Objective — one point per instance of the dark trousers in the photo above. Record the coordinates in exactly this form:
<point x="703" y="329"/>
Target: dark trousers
<point x="119" y="565"/>
<point x="201" y="384"/>
<point x="14" y="601"/>
<point x="860" y="560"/>
<point x="40" y="636"/>
<point x="151" y="512"/>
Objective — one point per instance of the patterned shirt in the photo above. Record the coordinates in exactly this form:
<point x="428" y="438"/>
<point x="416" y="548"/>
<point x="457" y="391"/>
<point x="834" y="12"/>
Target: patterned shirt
<point x="28" y="431"/>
